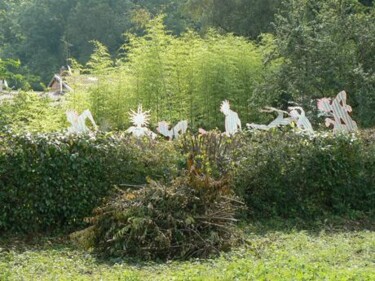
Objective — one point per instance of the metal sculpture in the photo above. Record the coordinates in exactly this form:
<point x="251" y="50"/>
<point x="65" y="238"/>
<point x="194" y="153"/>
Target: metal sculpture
<point x="78" y="122"/>
<point x="180" y="128"/>
<point x="232" y="121"/>
<point x="140" y="121"/>
<point x="339" y="110"/>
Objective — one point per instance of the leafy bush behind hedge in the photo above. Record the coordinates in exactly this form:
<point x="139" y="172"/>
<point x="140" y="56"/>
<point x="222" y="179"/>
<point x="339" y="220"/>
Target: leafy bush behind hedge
<point x="288" y="174"/>
<point x="50" y="181"/>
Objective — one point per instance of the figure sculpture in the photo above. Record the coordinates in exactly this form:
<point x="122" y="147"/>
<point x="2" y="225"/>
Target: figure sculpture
<point x="140" y="121"/>
<point x="300" y="119"/>
<point x="279" y="121"/>
<point x="78" y="122"/>
<point x="180" y="128"/>
<point x="3" y="85"/>
<point x="296" y="114"/>
<point x="339" y="110"/>
<point x="232" y="121"/>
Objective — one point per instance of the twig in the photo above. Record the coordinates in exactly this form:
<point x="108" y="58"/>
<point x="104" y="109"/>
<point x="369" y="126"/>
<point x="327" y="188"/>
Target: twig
<point x="133" y="185"/>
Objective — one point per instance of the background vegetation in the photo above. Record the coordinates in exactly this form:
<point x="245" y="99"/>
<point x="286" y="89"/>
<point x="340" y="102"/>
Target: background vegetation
<point x="175" y="77"/>
<point x="300" y="51"/>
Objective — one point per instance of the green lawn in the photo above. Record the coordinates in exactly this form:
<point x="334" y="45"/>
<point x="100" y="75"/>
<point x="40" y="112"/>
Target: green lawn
<point x="269" y="253"/>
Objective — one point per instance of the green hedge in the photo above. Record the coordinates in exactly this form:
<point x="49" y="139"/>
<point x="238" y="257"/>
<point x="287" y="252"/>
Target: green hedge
<point x="53" y="181"/>
<point x="287" y="174"/>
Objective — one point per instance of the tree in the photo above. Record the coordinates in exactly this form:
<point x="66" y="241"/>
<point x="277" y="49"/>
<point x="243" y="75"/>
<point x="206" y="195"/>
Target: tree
<point x="243" y="17"/>
<point x="101" y="20"/>
<point x="327" y="46"/>
<point x="34" y="32"/>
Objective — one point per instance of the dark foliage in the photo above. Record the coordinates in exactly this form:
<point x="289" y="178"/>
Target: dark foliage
<point x="327" y="46"/>
<point x="53" y="181"/>
<point x="288" y="175"/>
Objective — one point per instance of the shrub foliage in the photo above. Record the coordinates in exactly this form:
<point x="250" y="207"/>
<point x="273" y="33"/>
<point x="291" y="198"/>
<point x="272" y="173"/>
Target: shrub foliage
<point x="50" y="181"/>
<point x="53" y="181"/>
<point x="287" y="174"/>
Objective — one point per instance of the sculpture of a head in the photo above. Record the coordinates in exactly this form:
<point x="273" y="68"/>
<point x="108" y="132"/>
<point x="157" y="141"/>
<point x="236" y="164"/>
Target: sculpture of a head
<point x="72" y="116"/>
<point x="139" y="118"/>
<point x="225" y="107"/>
<point x="163" y="126"/>
<point x="296" y="112"/>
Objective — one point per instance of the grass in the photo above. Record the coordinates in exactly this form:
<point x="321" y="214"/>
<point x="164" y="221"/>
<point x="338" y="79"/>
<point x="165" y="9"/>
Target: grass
<point x="273" y="250"/>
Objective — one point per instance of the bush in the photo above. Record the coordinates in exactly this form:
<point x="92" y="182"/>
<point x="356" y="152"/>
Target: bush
<point x="212" y="153"/>
<point x="53" y="181"/>
<point x="288" y="174"/>
<point x="324" y="46"/>
<point x="31" y="112"/>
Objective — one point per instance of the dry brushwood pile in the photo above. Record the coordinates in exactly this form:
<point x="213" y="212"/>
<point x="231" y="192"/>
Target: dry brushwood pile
<point x="193" y="216"/>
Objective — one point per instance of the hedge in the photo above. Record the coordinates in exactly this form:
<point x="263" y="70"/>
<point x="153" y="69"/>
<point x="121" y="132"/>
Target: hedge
<point x="288" y="174"/>
<point x="53" y="181"/>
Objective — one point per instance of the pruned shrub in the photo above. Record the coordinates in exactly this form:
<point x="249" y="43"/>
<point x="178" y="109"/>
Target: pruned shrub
<point x="53" y="181"/>
<point x="288" y="174"/>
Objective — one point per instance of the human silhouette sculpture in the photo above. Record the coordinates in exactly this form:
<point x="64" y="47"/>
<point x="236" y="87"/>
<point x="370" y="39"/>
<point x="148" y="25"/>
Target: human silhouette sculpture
<point x="339" y="110"/>
<point x="279" y="121"/>
<point x="78" y="122"/>
<point x="180" y="128"/>
<point x="299" y="117"/>
<point x="140" y="120"/>
<point x="232" y="121"/>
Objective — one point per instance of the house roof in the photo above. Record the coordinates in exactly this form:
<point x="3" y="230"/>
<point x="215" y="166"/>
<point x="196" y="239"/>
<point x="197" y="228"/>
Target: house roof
<point x="63" y="85"/>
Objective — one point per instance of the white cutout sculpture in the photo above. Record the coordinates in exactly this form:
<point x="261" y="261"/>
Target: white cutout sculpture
<point x="79" y="121"/>
<point x="339" y="110"/>
<point x="140" y="120"/>
<point x="279" y="121"/>
<point x="3" y="85"/>
<point x="232" y="121"/>
<point x="296" y="114"/>
<point x="180" y="128"/>
<point x="300" y="119"/>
